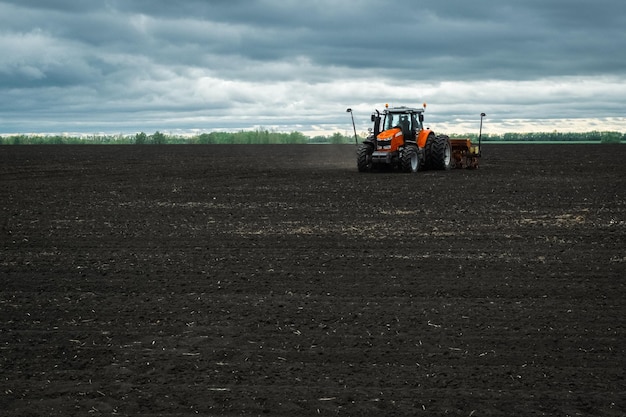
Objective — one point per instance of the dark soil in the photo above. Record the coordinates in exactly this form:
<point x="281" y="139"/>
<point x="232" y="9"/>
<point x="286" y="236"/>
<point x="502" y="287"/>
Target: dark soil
<point x="250" y="280"/>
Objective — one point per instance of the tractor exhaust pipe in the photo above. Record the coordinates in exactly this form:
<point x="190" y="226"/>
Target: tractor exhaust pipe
<point x="356" y="140"/>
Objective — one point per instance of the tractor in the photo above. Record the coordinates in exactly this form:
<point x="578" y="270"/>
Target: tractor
<point x="399" y="140"/>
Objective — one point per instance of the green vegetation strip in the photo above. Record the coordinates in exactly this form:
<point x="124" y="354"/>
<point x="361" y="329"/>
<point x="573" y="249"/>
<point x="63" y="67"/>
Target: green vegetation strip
<point x="267" y="137"/>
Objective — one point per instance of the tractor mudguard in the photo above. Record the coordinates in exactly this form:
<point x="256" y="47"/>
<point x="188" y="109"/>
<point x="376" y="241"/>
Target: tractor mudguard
<point x="422" y="137"/>
<point x="370" y="141"/>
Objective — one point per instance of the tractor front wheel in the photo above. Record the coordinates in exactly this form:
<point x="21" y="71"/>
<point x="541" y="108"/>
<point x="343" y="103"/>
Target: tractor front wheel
<point x="410" y="160"/>
<point x="364" y="157"/>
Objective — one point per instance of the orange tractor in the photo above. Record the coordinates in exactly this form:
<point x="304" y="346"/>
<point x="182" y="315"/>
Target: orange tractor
<point x="399" y="140"/>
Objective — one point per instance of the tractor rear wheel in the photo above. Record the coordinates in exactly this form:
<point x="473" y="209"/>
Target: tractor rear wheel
<point x="438" y="152"/>
<point x="364" y="157"/>
<point x="410" y="160"/>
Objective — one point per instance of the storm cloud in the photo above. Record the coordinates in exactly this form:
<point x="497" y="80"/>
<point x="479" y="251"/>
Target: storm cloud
<point x="123" y="66"/>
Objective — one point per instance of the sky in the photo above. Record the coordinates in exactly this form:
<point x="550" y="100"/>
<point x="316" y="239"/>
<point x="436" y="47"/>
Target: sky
<point x="193" y="66"/>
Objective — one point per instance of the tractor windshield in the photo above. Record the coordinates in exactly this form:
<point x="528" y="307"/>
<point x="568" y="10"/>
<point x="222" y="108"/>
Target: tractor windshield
<point x="397" y="120"/>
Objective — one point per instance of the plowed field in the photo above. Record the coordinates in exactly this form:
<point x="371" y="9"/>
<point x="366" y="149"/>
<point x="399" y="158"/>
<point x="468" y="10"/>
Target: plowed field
<point x="250" y="280"/>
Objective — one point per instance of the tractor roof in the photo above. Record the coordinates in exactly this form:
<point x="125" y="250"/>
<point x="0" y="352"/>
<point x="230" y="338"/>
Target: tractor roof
<point x="404" y="110"/>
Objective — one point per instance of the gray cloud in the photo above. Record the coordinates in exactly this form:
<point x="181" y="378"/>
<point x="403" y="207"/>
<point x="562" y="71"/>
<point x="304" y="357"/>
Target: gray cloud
<point x="129" y="65"/>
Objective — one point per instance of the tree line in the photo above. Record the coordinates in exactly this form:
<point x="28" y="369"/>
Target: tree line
<point x="592" y="136"/>
<point x="268" y="137"/>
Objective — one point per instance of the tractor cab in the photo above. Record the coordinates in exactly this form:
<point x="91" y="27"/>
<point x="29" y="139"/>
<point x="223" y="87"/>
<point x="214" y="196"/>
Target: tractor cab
<point x="409" y="121"/>
<point x="401" y="123"/>
<point x="403" y="116"/>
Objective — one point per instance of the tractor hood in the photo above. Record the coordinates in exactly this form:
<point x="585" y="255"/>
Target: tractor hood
<point x="389" y="134"/>
<point x="389" y="140"/>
